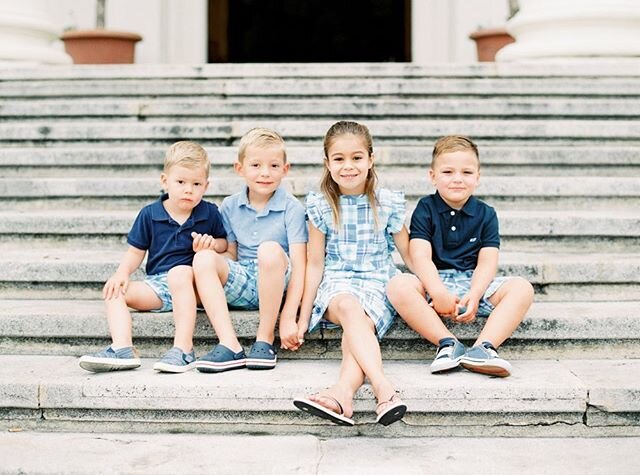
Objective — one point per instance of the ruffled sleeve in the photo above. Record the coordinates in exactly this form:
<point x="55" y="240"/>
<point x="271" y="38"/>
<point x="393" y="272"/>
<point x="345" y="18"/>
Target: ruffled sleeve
<point x="317" y="207"/>
<point x="393" y="204"/>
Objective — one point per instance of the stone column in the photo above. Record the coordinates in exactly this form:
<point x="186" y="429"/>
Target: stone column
<point x="555" y="29"/>
<point x="27" y="34"/>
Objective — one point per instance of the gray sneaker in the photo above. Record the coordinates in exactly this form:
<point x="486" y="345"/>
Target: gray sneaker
<point x="176" y="361"/>
<point x="484" y="359"/>
<point x="450" y="352"/>
<point x="111" y="360"/>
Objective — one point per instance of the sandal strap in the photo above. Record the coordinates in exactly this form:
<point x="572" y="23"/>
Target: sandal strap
<point x="337" y="403"/>
<point x="396" y="395"/>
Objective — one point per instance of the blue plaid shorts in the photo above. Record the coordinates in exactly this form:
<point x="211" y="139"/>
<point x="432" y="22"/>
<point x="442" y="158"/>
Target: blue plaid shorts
<point x="160" y="285"/>
<point x="241" y="288"/>
<point x="459" y="283"/>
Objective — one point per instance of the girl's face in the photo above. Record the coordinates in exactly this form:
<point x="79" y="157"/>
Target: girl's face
<point x="349" y="163"/>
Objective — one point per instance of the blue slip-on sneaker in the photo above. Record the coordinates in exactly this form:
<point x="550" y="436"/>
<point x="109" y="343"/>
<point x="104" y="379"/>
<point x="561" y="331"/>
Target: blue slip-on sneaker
<point x="484" y="359"/>
<point x="221" y="359"/>
<point x="176" y="361"/>
<point x="111" y="360"/>
<point x="450" y="352"/>
<point x="262" y="355"/>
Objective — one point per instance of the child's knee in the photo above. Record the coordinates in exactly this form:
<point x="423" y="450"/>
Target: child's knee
<point x="179" y="277"/>
<point x="524" y="287"/>
<point x="345" y="305"/>
<point x="205" y="261"/>
<point x="271" y="256"/>
<point x="401" y="286"/>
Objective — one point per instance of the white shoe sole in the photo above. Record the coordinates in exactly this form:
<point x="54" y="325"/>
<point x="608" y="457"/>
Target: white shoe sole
<point x="101" y="365"/>
<point x="170" y="368"/>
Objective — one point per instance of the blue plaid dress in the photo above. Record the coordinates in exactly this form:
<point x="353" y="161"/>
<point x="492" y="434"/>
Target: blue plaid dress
<point x="357" y="256"/>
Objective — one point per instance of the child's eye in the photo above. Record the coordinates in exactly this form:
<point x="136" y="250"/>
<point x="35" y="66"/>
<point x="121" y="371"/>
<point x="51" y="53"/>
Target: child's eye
<point x="180" y="182"/>
<point x="275" y="165"/>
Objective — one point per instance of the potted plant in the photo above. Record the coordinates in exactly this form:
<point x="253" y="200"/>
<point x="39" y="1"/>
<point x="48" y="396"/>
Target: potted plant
<point x="100" y="46"/>
<point x="490" y="40"/>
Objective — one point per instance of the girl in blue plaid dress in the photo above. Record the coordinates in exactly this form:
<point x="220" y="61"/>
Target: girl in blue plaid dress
<point x="352" y="230"/>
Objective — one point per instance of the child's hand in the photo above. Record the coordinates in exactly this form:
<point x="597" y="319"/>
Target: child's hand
<point x="445" y="303"/>
<point x="469" y="314"/>
<point x="289" y="334"/>
<point x="203" y="242"/>
<point x="116" y="285"/>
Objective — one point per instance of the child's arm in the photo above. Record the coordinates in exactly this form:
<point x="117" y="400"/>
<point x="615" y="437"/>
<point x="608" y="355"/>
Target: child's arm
<point x="313" y="275"/>
<point x="290" y="335"/>
<point x="443" y="301"/>
<point x="401" y="239"/>
<point x="119" y="281"/>
<point x="483" y="274"/>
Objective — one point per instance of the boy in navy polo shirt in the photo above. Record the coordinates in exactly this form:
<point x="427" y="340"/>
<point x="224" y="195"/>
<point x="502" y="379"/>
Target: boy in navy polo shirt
<point x="267" y="234"/>
<point x="171" y="230"/>
<point x="454" y="244"/>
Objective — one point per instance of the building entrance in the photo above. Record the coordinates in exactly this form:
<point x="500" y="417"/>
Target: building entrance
<point x="297" y="31"/>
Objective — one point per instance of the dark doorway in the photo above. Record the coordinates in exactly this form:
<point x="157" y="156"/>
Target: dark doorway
<point x="296" y="31"/>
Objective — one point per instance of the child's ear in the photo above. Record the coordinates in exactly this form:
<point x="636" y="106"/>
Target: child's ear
<point x="371" y="158"/>
<point x="237" y="166"/>
<point x="163" y="181"/>
<point x="432" y="176"/>
<point x="285" y="168"/>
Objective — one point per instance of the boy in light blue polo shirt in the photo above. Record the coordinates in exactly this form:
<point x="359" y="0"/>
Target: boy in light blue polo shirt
<point x="266" y="257"/>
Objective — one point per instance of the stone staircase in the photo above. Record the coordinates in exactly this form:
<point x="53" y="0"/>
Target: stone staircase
<point x="81" y="150"/>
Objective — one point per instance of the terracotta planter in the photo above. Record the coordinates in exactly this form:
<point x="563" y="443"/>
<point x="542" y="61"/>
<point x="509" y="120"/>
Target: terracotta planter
<point x="489" y="41"/>
<point x="100" y="46"/>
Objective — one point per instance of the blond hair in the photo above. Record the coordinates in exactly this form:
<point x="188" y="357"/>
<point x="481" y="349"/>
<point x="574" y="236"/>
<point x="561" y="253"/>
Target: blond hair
<point x="329" y="187"/>
<point x="186" y="154"/>
<point x="261" y="137"/>
<point x="453" y="143"/>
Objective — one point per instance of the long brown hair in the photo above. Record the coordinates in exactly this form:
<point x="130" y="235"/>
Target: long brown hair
<point x="329" y="187"/>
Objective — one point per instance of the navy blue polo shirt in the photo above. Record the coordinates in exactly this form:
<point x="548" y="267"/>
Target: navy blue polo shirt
<point x="168" y="243"/>
<point x="456" y="236"/>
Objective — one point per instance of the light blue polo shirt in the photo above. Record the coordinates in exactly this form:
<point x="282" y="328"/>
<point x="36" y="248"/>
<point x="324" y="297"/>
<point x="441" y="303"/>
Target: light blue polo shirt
<point x="282" y="220"/>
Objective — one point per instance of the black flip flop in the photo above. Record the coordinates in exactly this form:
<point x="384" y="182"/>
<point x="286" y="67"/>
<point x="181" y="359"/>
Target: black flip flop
<point x="319" y="410"/>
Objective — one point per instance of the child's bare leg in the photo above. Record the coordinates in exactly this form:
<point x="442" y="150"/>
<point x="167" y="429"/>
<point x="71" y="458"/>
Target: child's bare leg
<point x="183" y="295"/>
<point x="350" y="379"/>
<point x="272" y="267"/>
<point x="512" y="301"/>
<point x="359" y="332"/>
<point x="139" y="296"/>
<point x="211" y="273"/>
<point x="406" y="294"/>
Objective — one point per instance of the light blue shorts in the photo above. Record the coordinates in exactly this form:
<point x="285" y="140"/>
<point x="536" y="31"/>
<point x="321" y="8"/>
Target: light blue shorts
<point x="241" y="288"/>
<point x="160" y="285"/>
<point x="459" y="283"/>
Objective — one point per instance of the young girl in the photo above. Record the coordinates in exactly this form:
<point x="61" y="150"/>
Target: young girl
<point x="352" y="227"/>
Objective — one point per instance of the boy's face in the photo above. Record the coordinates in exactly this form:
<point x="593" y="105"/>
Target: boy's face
<point x="186" y="186"/>
<point x="455" y="175"/>
<point x="263" y="169"/>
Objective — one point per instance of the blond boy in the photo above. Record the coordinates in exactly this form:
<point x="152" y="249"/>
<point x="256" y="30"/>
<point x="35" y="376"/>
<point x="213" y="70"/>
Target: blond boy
<point x="169" y="231"/>
<point x="454" y="244"/>
<point x="267" y="235"/>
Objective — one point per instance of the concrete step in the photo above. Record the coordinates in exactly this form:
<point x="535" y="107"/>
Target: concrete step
<point x="59" y="273"/>
<point x="300" y="184"/>
<point x="586" y="69"/>
<point x="386" y="132"/>
<point x="310" y="86"/>
<point x="356" y="108"/>
<point x="551" y="330"/>
<point x="85" y="160"/>
<point x="603" y="231"/>
<point x="49" y="453"/>
<point x="576" y="398"/>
